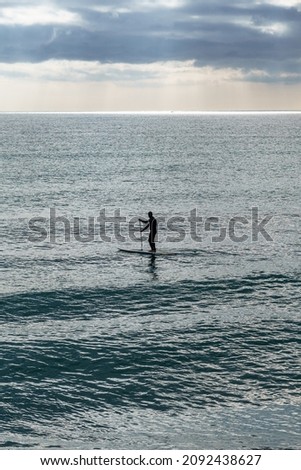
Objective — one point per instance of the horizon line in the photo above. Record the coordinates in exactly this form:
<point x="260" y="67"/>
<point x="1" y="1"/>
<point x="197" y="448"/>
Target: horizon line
<point x="159" y="112"/>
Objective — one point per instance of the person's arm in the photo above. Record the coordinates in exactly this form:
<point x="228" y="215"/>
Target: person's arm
<point x="144" y="221"/>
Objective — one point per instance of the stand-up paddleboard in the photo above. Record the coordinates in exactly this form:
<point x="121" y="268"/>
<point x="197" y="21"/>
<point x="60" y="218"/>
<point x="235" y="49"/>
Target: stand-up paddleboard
<point x="145" y="252"/>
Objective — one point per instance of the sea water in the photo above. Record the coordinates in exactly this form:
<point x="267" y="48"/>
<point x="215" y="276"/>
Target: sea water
<point x="104" y="349"/>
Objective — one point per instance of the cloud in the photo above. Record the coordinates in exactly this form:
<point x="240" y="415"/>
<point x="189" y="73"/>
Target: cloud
<point x="284" y="3"/>
<point x="170" y="72"/>
<point x="138" y="5"/>
<point x="261" y="39"/>
<point x="41" y="15"/>
<point x="180" y="73"/>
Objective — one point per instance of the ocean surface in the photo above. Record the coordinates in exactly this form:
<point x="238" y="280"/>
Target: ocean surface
<point x="195" y="349"/>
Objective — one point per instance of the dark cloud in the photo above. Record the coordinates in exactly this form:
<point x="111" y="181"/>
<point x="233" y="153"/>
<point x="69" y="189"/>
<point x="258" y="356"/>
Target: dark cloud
<point x="237" y="34"/>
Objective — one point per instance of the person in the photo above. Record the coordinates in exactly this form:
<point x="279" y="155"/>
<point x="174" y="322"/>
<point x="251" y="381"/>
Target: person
<point x="152" y="225"/>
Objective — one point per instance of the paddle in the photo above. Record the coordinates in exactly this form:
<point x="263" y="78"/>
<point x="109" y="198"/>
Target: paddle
<point x="140" y="235"/>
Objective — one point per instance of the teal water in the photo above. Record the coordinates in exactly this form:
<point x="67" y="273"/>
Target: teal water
<point x="103" y="349"/>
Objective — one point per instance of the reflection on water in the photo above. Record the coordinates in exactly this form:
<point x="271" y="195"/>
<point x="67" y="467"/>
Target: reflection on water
<point x="153" y="267"/>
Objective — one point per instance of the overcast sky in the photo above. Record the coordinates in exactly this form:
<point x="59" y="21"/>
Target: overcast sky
<point x="148" y="55"/>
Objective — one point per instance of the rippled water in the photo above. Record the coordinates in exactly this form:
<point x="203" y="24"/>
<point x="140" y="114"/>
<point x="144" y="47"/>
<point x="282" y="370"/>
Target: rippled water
<point x="101" y="349"/>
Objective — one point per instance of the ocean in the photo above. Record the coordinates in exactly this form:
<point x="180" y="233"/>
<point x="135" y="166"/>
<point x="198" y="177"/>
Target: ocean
<point x="196" y="349"/>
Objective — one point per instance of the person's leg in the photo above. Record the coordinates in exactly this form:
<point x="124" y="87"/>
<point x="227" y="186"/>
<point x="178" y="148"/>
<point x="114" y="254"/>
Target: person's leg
<point x="152" y="241"/>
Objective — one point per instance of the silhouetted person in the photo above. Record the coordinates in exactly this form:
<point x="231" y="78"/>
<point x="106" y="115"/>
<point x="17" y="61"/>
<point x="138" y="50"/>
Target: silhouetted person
<point x="152" y="225"/>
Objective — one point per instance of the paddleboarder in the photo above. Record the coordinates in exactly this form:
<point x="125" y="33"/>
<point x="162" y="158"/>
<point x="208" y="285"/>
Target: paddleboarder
<point x="152" y="225"/>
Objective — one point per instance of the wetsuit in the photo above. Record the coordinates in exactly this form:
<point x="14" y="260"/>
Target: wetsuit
<point x="152" y="224"/>
<point x="152" y="233"/>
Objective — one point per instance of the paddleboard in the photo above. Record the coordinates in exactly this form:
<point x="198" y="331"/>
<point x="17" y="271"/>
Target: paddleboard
<point x="145" y="252"/>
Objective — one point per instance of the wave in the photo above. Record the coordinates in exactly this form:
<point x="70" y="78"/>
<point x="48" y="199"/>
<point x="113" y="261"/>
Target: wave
<point x="261" y="288"/>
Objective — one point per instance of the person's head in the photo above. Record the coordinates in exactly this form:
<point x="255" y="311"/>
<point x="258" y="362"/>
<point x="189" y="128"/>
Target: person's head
<point x="150" y="214"/>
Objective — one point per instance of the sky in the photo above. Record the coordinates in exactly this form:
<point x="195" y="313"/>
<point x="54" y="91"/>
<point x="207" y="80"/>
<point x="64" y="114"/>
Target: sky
<point x="150" y="55"/>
